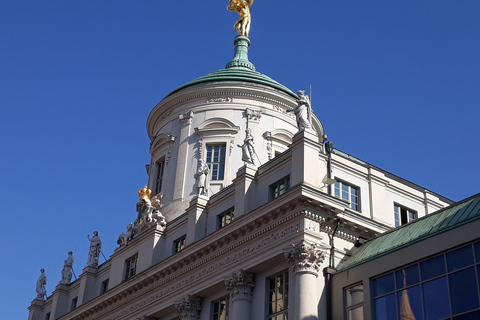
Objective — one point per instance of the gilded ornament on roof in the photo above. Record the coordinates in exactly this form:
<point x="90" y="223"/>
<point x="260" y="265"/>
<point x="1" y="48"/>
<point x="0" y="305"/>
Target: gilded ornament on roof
<point x="243" y="8"/>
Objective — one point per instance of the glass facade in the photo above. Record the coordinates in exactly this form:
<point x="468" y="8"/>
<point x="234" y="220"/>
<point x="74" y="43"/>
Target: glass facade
<point x="443" y="287"/>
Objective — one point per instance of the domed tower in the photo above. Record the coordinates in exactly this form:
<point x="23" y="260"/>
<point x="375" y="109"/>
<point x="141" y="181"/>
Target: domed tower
<point x="204" y="131"/>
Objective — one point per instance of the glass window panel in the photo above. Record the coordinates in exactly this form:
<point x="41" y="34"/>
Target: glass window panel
<point x="411" y="276"/>
<point x="475" y="315"/>
<point x="460" y="258"/>
<point x="435" y="297"/>
<point x="463" y="290"/>
<point x="355" y="314"/>
<point x="432" y="268"/>
<point x="413" y="298"/>
<point x="477" y="252"/>
<point x="383" y="285"/>
<point x="385" y="308"/>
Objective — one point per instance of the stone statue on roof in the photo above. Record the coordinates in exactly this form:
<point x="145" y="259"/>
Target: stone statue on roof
<point x="41" y="282"/>
<point x="243" y="8"/>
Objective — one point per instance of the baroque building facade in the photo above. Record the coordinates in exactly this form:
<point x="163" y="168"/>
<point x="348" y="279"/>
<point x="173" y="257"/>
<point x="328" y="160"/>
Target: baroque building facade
<point x="247" y="212"/>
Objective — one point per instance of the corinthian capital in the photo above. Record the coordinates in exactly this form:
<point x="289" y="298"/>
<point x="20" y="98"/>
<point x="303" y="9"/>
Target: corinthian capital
<point x="240" y="284"/>
<point x="305" y="257"/>
<point x="189" y="307"/>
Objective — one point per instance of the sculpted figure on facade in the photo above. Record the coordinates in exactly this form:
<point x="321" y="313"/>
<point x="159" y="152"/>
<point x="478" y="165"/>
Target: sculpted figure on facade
<point x="243" y="8"/>
<point x="303" y="111"/>
<point x="148" y="212"/>
<point x="67" y="269"/>
<point x="124" y="238"/>
<point x="186" y="118"/>
<point x="41" y="282"/>
<point x="95" y="249"/>
<point x="248" y="149"/>
<point x="202" y="178"/>
<point x="305" y="257"/>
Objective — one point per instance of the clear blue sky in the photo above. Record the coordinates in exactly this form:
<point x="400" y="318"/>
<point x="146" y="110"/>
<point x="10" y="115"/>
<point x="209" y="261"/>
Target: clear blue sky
<point x="395" y="83"/>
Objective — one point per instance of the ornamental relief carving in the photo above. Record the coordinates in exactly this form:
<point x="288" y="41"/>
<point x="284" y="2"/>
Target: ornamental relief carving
<point x="240" y="284"/>
<point x="305" y="257"/>
<point x="189" y="307"/>
<point x="219" y="99"/>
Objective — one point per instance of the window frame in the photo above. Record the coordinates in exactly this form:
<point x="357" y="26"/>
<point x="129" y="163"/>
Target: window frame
<point x="130" y="271"/>
<point x="179" y="244"/>
<point x="159" y="174"/>
<point x="221" y="218"/>
<point x="273" y="192"/>
<point x="342" y="184"/>
<point x="226" y="299"/>
<point x="285" y="298"/>
<point x="353" y="306"/>
<point x="398" y="216"/>
<point x="220" y="176"/>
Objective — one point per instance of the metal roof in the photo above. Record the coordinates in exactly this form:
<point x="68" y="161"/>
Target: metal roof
<point x="443" y="220"/>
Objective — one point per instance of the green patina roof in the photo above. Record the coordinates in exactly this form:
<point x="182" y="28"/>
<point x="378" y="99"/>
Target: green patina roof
<point x="236" y="75"/>
<point x="240" y="69"/>
<point x="443" y="220"/>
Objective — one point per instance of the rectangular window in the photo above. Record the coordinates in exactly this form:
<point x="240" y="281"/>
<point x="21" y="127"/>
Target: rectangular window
<point x="403" y="215"/>
<point x="220" y="309"/>
<point x="179" y="244"/>
<point x="354" y="302"/>
<point x="131" y="267"/>
<point x="347" y="192"/>
<point x="216" y="160"/>
<point x="73" y="305"/>
<point x="104" y="287"/>
<point x="278" y="297"/>
<point x="279" y="187"/>
<point x="225" y="218"/>
<point x="443" y="287"/>
<point x="159" y="180"/>
<point x="47" y="316"/>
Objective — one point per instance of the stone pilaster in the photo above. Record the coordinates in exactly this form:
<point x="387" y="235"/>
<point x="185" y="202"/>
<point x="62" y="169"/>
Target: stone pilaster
<point x="306" y="259"/>
<point x="240" y="284"/>
<point x="189" y="307"/>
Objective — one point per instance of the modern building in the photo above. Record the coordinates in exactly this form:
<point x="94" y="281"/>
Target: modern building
<point x="249" y="212"/>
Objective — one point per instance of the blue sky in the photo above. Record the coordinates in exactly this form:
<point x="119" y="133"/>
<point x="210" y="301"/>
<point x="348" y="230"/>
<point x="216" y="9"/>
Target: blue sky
<point x="395" y="83"/>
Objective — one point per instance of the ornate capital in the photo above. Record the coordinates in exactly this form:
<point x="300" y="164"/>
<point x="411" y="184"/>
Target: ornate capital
<point x="305" y="257"/>
<point x="253" y="115"/>
<point x="240" y="284"/>
<point x="189" y="307"/>
<point x="186" y="118"/>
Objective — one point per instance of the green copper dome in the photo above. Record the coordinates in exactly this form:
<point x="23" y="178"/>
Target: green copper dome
<point x="237" y="70"/>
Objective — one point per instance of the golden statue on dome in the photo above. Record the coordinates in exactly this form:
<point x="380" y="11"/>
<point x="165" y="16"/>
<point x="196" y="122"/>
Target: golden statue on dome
<point x="243" y="8"/>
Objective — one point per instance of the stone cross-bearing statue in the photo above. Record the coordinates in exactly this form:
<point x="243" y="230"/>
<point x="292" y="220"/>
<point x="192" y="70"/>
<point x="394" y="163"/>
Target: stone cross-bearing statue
<point x="243" y="8"/>
<point x="41" y="282"/>
<point x="95" y="248"/>
<point x="67" y="269"/>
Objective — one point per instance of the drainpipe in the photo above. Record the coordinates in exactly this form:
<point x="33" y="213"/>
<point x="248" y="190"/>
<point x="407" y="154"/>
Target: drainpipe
<point x="328" y="271"/>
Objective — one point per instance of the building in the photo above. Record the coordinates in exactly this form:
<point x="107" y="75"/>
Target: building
<point x="247" y="213"/>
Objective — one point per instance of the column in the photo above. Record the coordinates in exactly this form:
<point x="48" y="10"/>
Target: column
<point x="180" y="174"/>
<point x="305" y="258"/>
<point x="189" y="307"/>
<point x="240" y="284"/>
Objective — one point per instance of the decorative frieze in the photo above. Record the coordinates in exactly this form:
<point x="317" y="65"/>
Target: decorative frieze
<point x="189" y="307"/>
<point x="305" y="257"/>
<point x="240" y="284"/>
<point x="219" y="99"/>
